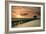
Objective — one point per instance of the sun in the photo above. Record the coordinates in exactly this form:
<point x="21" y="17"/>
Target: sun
<point x="19" y="16"/>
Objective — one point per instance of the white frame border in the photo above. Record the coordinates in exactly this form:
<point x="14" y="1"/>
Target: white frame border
<point x="25" y="28"/>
